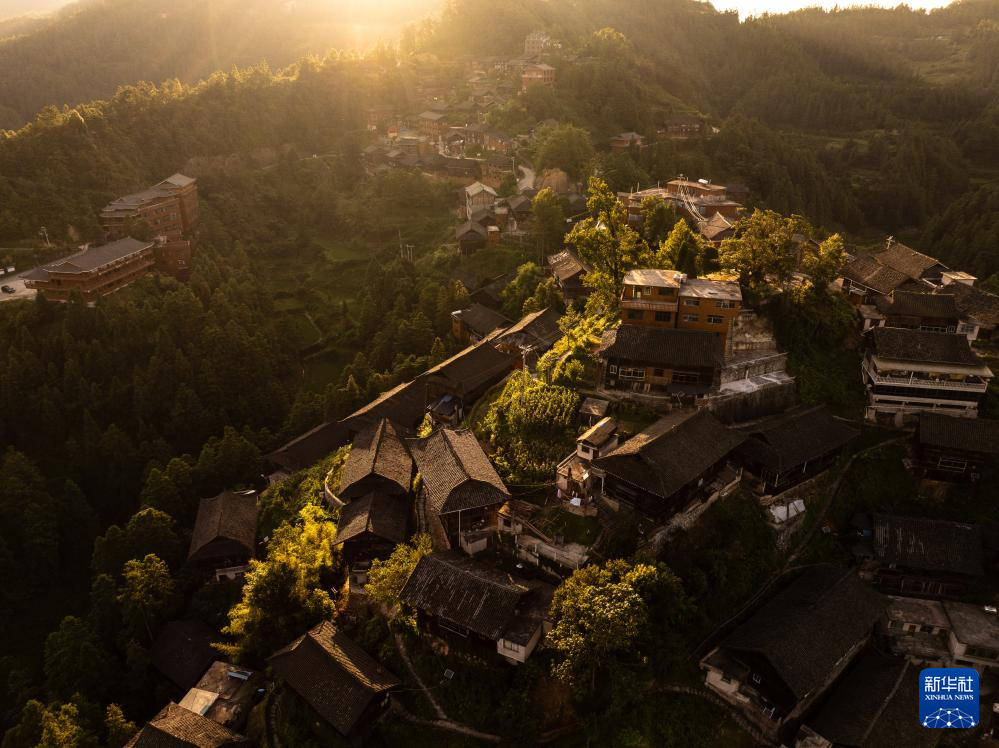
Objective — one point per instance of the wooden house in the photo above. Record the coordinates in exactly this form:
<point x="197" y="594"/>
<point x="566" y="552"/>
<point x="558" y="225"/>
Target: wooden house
<point x="179" y="727"/>
<point x="225" y="533"/>
<point x="955" y="449"/>
<point x="378" y="463"/>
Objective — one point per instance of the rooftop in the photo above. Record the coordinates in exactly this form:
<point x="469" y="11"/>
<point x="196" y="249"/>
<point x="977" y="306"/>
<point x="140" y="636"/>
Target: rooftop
<point x="973" y="625"/>
<point x="481" y="319"/>
<point x="652" y="277"/>
<point x="455" y="471"/>
<point x="928" y="544"/>
<point x="910" y="304"/>
<point x="789" y="440"/>
<point x="599" y="432"/>
<point x="177" y="727"/>
<point x="183" y="651"/>
<point x="90" y="259"/>
<point x="381" y="515"/>
<point x="923" y="347"/>
<point x="229" y="516"/>
<point x="711" y="289"/>
<point x="378" y="451"/>
<point x="907" y="260"/>
<point x="868" y="272"/>
<point x="964" y="434"/>
<point x="666" y="346"/>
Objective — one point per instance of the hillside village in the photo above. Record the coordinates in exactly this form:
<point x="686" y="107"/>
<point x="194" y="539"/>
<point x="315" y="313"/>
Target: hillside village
<point x="638" y="410"/>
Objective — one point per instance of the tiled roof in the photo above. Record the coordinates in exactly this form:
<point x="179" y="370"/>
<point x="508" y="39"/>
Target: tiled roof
<point x="925" y="347"/>
<point x="804" y="630"/>
<point x="481" y="319"/>
<point x="333" y="674"/>
<point x="383" y="516"/>
<point x="928" y="544"/>
<point x="965" y="434"/>
<point x="539" y="329"/>
<point x="910" y="304"/>
<point x="228" y="516"/>
<point x="907" y="260"/>
<point x="673" y="451"/>
<point x="789" y="440"/>
<point x="974" y="302"/>
<point x="378" y="451"/>
<point x="183" y="651"/>
<point x="566" y="265"/>
<point x="90" y="259"/>
<point x="662" y="346"/>
<point x="867" y="271"/>
<point x="652" y="277"/>
<point x="474" y="367"/>
<point x="456" y="472"/>
<point x="475" y="596"/>
<point x="176" y="727"/>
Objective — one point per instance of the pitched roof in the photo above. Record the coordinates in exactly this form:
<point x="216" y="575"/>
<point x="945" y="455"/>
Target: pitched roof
<point x="965" y="434"/>
<point x="594" y="406"/>
<point x="468" y="370"/>
<point x="183" y="651"/>
<point x="705" y="288"/>
<point x="911" y="304"/>
<point x="482" y="599"/>
<point x="715" y="226"/>
<point x="380" y="514"/>
<point x="804" y="630"/>
<point x="867" y="271"/>
<point x="789" y="440"/>
<point x="377" y="450"/>
<point x="177" y="727"/>
<point x="90" y="259"/>
<point x="332" y="674"/>
<point x="566" y="265"/>
<point x="652" y="277"/>
<point x="925" y="347"/>
<point x="177" y="180"/>
<point x="872" y="706"/>
<point x="974" y="302"/>
<point x="662" y="346"/>
<point x="456" y="472"/>
<point x="907" y="260"/>
<point x="228" y="516"/>
<point x="477" y="187"/>
<point x="481" y="319"/>
<point x="670" y="453"/>
<point x="538" y="329"/>
<point x="972" y="624"/>
<point x="928" y="544"/>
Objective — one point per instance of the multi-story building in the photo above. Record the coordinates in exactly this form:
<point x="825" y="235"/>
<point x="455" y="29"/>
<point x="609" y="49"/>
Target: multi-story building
<point x="94" y="271"/>
<point x="539" y="74"/>
<point x="535" y="43"/>
<point x="170" y="208"/>
<point x="911" y="371"/>
<point x="666" y="298"/>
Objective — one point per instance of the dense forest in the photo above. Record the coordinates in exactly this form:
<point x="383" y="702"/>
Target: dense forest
<point x="302" y="305"/>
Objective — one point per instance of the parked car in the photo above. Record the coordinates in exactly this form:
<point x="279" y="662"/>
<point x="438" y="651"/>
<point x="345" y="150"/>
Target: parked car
<point x="8" y="289"/>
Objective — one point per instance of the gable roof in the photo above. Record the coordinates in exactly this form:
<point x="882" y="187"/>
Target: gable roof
<point x="867" y="271"/>
<point x="872" y="706"/>
<point x="804" y="630"/>
<point x="333" y="674"/>
<point x="965" y="434"/>
<point x="715" y="227"/>
<point x="662" y="346"/>
<point x="925" y="347"/>
<point x="538" y="329"/>
<point x="912" y="304"/>
<point x="565" y="265"/>
<point x="476" y="188"/>
<point x="480" y="318"/>
<point x="974" y="302"/>
<point x="907" y="260"/>
<point x="482" y="599"/>
<point x="229" y="516"/>
<point x="377" y="450"/>
<point x="455" y="471"/>
<point x="177" y="727"/>
<point x="789" y="440"/>
<point x="928" y="544"/>
<point x="670" y="453"/>
<point x="470" y="369"/>
<point x="380" y="514"/>
<point x="183" y="651"/>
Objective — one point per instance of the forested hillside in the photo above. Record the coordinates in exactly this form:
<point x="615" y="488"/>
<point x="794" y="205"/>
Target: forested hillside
<point x="89" y="49"/>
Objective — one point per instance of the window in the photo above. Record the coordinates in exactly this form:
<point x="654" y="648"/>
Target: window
<point x="691" y="318"/>
<point x="664" y="291"/>
<point x="658" y="373"/>
<point x="634" y="314"/>
<point x="723" y="304"/>
<point x="685" y="377"/>
<point x="663" y="316"/>
<point x="957" y="466"/>
<point x="691" y="302"/>
<point x="632" y="373"/>
<point x="714" y="319"/>
<point x="612" y="369"/>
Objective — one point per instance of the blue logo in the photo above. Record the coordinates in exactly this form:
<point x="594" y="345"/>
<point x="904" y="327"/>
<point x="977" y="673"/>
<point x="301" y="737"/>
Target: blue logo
<point x="948" y="697"/>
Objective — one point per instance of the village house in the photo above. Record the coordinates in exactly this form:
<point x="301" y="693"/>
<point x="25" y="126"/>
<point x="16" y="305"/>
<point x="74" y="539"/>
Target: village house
<point x="919" y="311"/>
<point x="472" y="324"/>
<point x="787" y="654"/>
<point x="531" y="336"/>
<point x="432" y="125"/>
<point x="573" y="477"/>
<point x="455" y="384"/>
<point x="378" y="463"/>
<point x="592" y="410"/>
<point x="944" y="633"/>
<point x="225" y="534"/>
<point x="460" y="491"/>
<point x="914" y="265"/>
<point x="910" y="371"/>
<point x="953" y="449"/>
<point x="661" y="361"/>
<point x="537" y="74"/>
<point x="864" y="279"/>
<point x="94" y="271"/>
<point x="471" y="237"/>
<point x="627" y="141"/>
<point x="974" y="636"/>
<point x="682" y="126"/>
<point x="343" y="684"/>
<point x="568" y="271"/>
<point x="979" y="309"/>
<point x="716" y="229"/>
<point x="784" y="450"/>
<point x="371" y="527"/>
<point x="170" y="208"/>
<point x="477" y="196"/>
<point x="709" y="305"/>
<point x="176" y="726"/>
<point x="535" y="43"/>
<point x="918" y="557"/>
<point x="679" y="463"/>
<point x="225" y="694"/>
<point x="871" y="706"/>
<point x="469" y="603"/>
<point x="650" y="297"/>
<point x="183" y="651"/>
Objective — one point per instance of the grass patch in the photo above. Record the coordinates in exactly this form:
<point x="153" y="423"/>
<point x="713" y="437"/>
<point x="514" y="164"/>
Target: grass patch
<point x="574" y="528"/>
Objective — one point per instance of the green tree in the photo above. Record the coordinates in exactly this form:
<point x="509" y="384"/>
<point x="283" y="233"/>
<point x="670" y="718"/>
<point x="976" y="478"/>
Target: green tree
<point x="148" y="531"/>
<point x="228" y="462"/>
<point x="76" y="662"/>
<point x="388" y="576"/>
<point x="765" y="246"/>
<point x="658" y="219"/>
<point x="520" y="289"/>
<point x="546" y="295"/>
<point x="288" y="591"/>
<point x="146" y="594"/>
<point x="118" y="729"/>
<point x="564" y="147"/>
<point x="823" y="263"/>
<point x="683" y="250"/>
<point x="548" y="218"/>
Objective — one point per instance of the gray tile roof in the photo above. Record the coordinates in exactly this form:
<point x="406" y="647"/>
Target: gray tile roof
<point x="867" y="271"/>
<point x="804" y="630"/>
<point x="789" y="440"/>
<point x="91" y="259"/>
<point x="907" y="260"/>
<point x="377" y="450"/>
<point x="384" y="516"/>
<point x="911" y="304"/>
<point x="664" y="347"/>
<point x="928" y="544"/>
<point x="974" y="302"/>
<point x="925" y="347"/>
<point x="177" y="727"/>
<point x="481" y="319"/>
<point x="965" y="434"/>
<point x="456" y="473"/>
<point x="183" y="651"/>
<point x="228" y="516"/>
<point x="333" y="674"/>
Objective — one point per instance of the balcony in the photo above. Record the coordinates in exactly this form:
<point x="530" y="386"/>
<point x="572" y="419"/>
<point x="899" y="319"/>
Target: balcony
<point x="649" y="304"/>
<point x="973" y="384"/>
